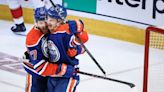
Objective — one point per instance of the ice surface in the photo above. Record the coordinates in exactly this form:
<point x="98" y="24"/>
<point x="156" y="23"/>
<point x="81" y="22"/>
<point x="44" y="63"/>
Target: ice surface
<point x="121" y="60"/>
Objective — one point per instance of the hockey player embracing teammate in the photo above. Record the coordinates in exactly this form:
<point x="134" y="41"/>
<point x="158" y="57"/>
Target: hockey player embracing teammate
<point x="52" y="62"/>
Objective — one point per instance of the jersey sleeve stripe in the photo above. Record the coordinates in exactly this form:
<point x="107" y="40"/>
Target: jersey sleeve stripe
<point x="39" y="63"/>
<point x="63" y="70"/>
<point x="43" y="69"/>
<point x="71" y="85"/>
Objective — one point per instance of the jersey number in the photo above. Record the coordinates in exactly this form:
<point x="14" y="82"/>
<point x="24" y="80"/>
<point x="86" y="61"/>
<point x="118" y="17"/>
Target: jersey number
<point x="33" y="54"/>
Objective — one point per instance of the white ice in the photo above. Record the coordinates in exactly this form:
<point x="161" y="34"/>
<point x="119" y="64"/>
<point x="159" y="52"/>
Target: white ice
<point x="121" y="60"/>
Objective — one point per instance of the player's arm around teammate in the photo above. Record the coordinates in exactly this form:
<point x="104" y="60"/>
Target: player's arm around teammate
<point x="63" y="47"/>
<point x="37" y="66"/>
<point x="33" y="43"/>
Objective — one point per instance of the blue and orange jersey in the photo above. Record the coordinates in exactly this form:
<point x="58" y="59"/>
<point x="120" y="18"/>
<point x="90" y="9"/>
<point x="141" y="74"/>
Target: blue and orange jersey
<point x="62" y="47"/>
<point x="37" y="64"/>
<point x="33" y="43"/>
<point x="65" y="45"/>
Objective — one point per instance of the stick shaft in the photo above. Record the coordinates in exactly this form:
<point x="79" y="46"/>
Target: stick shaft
<point x="106" y="78"/>
<point x="91" y="56"/>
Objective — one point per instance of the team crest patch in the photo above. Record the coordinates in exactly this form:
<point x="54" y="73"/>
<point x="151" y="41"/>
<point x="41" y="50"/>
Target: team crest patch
<point x="53" y="51"/>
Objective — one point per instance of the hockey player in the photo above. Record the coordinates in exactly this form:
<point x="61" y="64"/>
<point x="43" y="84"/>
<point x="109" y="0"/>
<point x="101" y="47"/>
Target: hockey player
<point x="33" y="43"/>
<point x="38" y="66"/>
<point x="63" y="47"/>
<point x="17" y="14"/>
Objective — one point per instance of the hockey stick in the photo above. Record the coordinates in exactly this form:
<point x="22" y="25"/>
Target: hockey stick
<point x="106" y="78"/>
<point x="52" y="3"/>
<point x="91" y="56"/>
<point x="86" y="48"/>
<point x="25" y="63"/>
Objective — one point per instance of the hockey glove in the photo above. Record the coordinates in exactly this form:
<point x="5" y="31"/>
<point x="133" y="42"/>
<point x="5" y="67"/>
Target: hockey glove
<point x="64" y="70"/>
<point x="75" y="26"/>
<point x="26" y="55"/>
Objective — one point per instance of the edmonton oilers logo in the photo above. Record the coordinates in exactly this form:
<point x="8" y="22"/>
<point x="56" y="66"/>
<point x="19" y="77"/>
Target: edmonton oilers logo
<point x="44" y="47"/>
<point x="53" y="51"/>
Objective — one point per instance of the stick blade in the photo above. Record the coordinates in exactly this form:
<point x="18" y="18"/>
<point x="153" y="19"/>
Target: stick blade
<point x="131" y="85"/>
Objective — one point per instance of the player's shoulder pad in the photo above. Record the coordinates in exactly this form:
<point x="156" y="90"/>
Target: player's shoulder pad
<point x="33" y="37"/>
<point x="64" y="28"/>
